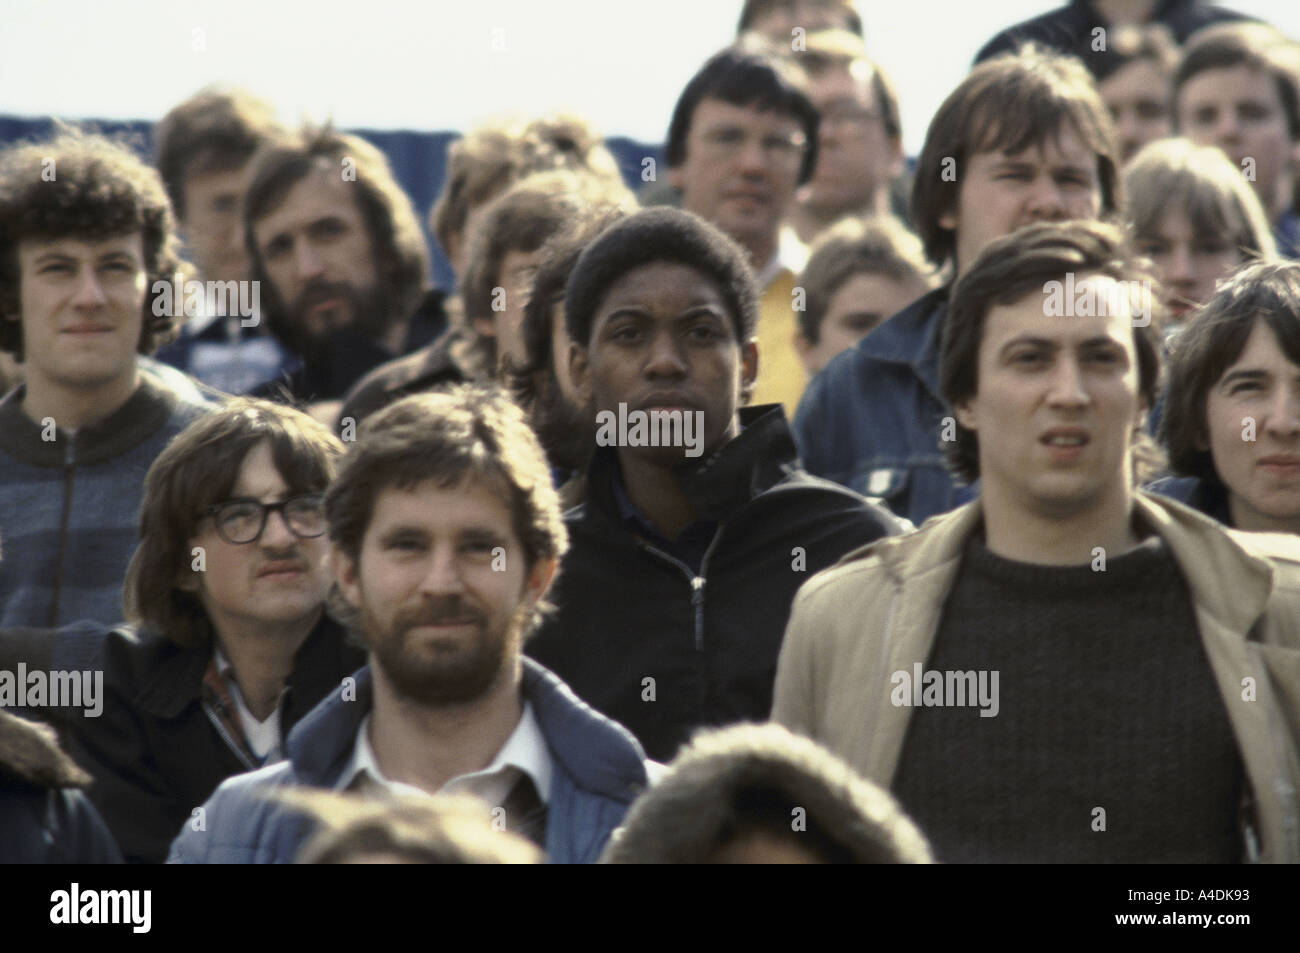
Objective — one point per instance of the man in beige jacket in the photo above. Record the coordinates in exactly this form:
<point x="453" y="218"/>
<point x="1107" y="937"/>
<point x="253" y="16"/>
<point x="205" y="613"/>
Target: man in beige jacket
<point x="1065" y="669"/>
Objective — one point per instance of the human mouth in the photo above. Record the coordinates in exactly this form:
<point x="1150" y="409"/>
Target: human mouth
<point x="1281" y="465"/>
<point x="281" y="572"/>
<point x="1065" y="444"/>
<point x="88" y="330"/>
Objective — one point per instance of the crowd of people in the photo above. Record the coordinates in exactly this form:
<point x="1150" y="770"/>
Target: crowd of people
<point x="701" y="523"/>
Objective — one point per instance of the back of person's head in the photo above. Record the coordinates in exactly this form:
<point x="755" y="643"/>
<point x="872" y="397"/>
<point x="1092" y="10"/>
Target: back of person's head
<point x="757" y="793"/>
<point x="396" y="242"/>
<point x="776" y="19"/>
<point x="77" y="185"/>
<point x="1211" y="342"/>
<point x="488" y="159"/>
<point x="521" y="220"/>
<point x="1007" y="104"/>
<point x="1256" y="46"/>
<point x="1202" y="183"/>
<point x="875" y="245"/>
<point x="748" y="74"/>
<point x="215" y="130"/>
<point x="197" y="469"/>
<point x="466" y="434"/>
<point x="445" y="829"/>
<point x="660" y="235"/>
<point x="1035" y="261"/>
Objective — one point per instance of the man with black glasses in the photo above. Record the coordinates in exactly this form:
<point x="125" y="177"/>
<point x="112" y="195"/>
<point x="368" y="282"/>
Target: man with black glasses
<point x="229" y="644"/>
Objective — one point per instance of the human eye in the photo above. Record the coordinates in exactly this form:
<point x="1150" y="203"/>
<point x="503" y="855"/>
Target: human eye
<point x="1253" y="111"/>
<point x="627" y="333"/>
<point x="1028" y="357"/>
<point x="277" y="247"/>
<point x="328" y="228"/>
<point x="239" y="514"/>
<point x="56" y="268"/>
<point x="1204" y="116"/>
<point x="1244" y="386"/>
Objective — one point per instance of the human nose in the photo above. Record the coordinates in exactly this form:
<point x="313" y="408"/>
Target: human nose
<point x="665" y="358"/>
<point x="308" y="261"/>
<point x="1046" y="201"/>
<point x="1284" y="413"/>
<point x="276" y="531"/>
<point x="1067" y="388"/>
<point x="90" y="293"/>
<point x="1178" y="265"/>
<point x="443" y="574"/>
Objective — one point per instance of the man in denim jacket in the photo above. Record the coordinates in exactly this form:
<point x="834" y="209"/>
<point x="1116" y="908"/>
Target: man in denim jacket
<point x="1023" y="139"/>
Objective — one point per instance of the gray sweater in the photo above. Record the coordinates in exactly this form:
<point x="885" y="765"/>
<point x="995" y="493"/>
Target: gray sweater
<point x="69" y="506"/>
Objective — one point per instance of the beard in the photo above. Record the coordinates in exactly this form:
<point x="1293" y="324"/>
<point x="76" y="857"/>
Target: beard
<point x="567" y="432"/>
<point x="453" y="670"/>
<point x="364" y="314"/>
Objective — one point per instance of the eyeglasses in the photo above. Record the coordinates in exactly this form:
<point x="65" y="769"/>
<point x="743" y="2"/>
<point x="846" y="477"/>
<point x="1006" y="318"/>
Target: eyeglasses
<point x="243" y="520"/>
<point x="727" y="141"/>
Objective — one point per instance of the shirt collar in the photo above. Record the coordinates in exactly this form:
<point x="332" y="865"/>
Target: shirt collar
<point x="525" y="750"/>
<point x="791" y="255"/>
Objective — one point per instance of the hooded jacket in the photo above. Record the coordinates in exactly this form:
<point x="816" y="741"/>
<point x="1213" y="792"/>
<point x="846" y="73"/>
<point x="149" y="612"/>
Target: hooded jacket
<point x="663" y="649"/>
<point x="878" y="612"/>
<point x="599" y="770"/>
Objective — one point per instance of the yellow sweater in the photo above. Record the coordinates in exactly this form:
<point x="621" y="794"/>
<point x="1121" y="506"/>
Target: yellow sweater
<point x="781" y="377"/>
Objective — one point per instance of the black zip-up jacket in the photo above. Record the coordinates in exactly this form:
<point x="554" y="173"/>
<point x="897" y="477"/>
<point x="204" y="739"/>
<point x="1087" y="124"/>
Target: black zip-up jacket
<point x="158" y="749"/>
<point x="664" y="650"/>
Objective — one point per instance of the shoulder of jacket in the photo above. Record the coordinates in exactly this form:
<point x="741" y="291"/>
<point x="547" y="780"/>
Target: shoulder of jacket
<point x="1281" y="549"/>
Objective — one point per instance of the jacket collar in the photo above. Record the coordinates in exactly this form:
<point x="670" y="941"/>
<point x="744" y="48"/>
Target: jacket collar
<point x="760" y="456"/>
<point x="912" y="337"/>
<point x="176" y="679"/>
<point x="145" y="411"/>
<point x="1227" y="580"/>
<point x="600" y="755"/>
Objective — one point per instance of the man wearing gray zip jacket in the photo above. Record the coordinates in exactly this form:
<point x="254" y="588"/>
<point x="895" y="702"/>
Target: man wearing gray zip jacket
<point x="699" y="523"/>
<point x="85" y="234"/>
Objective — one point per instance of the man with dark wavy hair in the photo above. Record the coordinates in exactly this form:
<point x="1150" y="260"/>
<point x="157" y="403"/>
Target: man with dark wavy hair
<point x="344" y="269"/>
<point x="86" y="238"/>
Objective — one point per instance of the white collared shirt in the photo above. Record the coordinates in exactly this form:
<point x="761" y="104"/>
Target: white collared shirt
<point x="791" y="255"/>
<point x="524" y="753"/>
<point x="263" y="737"/>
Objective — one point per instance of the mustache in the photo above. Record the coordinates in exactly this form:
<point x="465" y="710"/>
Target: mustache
<point x="443" y="611"/>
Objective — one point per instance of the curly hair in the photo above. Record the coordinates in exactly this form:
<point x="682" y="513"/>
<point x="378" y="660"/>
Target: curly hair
<point x="86" y="186"/>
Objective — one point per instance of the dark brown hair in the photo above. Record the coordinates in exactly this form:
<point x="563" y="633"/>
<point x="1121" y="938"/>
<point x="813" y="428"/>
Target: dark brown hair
<point x="1212" y="342"/>
<point x="747" y="779"/>
<point x="83" y="186"/>
<point x="198" y="468"/>
<point x="215" y="130"/>
<point x="1021" y="264"/>
<point x="1007" y="104"/>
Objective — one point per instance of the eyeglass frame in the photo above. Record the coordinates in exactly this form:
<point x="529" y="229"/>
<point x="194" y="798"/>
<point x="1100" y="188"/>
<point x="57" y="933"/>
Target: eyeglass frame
<point x="266" y="510"/>
<point x="776" y="148"/>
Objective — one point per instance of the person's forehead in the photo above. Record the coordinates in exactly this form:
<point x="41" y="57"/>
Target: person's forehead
<point x="1063" y="147"/>
<point x="1222" y="83"/>
<point x="1038" y="314"/>
<point x="711" y="111"/>
<point x="322" y="193"/>
<point x="129" y="243"/>
<point x="477" y="502"/>
<point x="1261" y="348"/>
<point x="659" y="281"/>
<point x="257" y="469"/>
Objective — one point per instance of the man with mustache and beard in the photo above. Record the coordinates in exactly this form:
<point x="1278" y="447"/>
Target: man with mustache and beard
<point x="447" y="533"/>
<point x="338" y="249"/>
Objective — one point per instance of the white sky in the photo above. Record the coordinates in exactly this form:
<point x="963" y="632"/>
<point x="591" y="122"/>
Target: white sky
<point x="430" y="64"/>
